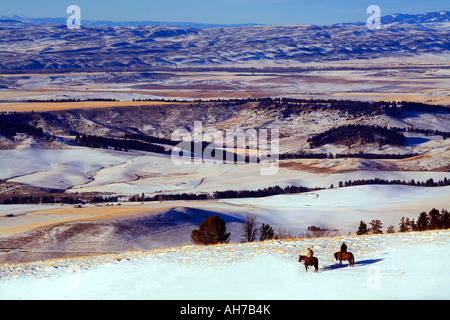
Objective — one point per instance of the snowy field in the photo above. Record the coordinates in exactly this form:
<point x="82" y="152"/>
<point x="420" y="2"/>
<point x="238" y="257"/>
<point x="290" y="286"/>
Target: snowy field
<point x="78" y="169"/>
<point x="389" y="266"/>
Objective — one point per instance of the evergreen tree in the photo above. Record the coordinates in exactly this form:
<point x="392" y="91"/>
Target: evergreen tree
<point x="434" y="219"/>
<point x="390" y="229"/>
<point x="212" y="230"/>
<point x="266" y="232"/>
<point x="445" y="219"/>
<point x="422" y="222"/>
<point x="362" y="228"/>
<point x="404" y="225"/>
<point x="413" y="225"/>
<point x="375" y="226"/>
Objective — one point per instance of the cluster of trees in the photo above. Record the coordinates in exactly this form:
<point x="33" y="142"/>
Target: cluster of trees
<point x="67" y="199"/>
<point x="227" y="194"/>
<point x="375" y="227"/>
<point x="444" y="134"/>
<point x="351" y="134"/>
<point x="213" y="230"/>
<point x="363" y="155"/>
<point x="11" y="124"/>
<point x="307" y="155"/>
<point x="152" y="144"/>
<point x="250" y="231"/>
<point x="118" y="144"/>
<point x="428" y="183"/>
<point x="431" y="221"/>
<point x="39" y="199"/>
<point x="72" y="100"/>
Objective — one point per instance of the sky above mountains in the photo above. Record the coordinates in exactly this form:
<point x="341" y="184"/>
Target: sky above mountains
<point x="270" y="12"/>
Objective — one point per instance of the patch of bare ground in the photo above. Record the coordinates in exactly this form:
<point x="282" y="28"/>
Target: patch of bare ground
<point x="425" y="162"/>
<point x="315" y="166"/>
<point x="58" y="106"/>
<point x="10" y="188"/>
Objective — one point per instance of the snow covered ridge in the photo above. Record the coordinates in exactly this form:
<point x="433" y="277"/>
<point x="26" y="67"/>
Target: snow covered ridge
<point x="388" y="266"/>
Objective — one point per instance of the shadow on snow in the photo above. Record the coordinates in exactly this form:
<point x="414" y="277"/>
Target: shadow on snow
<point x="361" y="263"/>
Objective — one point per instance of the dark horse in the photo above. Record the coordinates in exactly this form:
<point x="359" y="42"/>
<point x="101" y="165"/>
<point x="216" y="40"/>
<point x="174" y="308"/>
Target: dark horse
<point x="345" y="256"/>
<point x="309" y="262"/>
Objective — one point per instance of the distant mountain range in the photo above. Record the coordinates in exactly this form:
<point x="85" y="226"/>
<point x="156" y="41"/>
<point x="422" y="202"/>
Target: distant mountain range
<point x="108" y="23"/>
<point x="442" y="16"/>
<point x="25" y="46"/>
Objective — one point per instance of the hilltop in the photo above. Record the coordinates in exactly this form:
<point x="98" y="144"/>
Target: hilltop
<point x="390" y="266"/>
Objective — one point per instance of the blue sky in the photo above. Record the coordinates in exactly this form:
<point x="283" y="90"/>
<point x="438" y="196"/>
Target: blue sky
<point x="273" y="12"/>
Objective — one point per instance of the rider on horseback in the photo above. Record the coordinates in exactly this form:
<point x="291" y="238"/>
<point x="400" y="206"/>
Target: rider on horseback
<point x="343" y="247"/>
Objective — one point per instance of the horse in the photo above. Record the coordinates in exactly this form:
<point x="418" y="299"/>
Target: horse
<point x="309" y="262"/>
<point x="345" y="256"/>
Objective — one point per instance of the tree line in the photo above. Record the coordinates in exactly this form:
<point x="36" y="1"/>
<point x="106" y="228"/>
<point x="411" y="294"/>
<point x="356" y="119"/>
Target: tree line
<point x="92" y="141"/>
<point x="49" y="199"/>
<point x="227" y="194"/>
<point x="71" y="100"/>
<point x="309" y="155"/>
<point x="428" y="183"/>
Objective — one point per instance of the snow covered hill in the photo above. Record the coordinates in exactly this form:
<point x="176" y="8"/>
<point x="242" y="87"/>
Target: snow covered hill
<point x="46" y="47"/>
<point x="389" y="266"/>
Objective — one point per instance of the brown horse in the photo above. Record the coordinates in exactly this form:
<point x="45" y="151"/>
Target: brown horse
<point x="309" y="262"/>
<point x="345" y="256"/>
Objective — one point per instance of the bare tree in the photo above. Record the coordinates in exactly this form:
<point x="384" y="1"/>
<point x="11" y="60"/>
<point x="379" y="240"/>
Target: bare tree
<point x="249" y="229"/>
<point x="284" y="234"/>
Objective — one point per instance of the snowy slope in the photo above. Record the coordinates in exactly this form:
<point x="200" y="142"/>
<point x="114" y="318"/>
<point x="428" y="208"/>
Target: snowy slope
<point x="390" y="266"/>
<point x="56" y="168"/>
